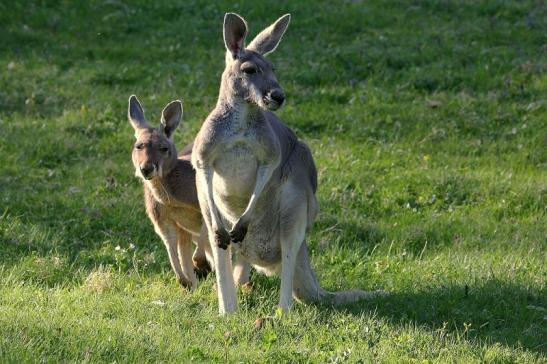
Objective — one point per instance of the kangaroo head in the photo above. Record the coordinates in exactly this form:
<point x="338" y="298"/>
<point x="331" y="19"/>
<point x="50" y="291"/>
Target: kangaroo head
<point x="248" y="74"/>
<point x="154" y="153"/>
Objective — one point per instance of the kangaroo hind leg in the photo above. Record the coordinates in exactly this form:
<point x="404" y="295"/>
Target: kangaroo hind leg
<point x="169" y="233"/>
<point x="293" y="223"/>
<point x="184" y="249"/>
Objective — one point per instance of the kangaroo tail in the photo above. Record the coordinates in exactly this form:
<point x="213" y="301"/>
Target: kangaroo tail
<point x="306" y="286"/>
<point x="350" y="296"/>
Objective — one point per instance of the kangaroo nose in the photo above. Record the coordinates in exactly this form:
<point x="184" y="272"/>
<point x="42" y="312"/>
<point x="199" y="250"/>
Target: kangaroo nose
<point x="147" y="170"/>
<point x="278" y="96"/>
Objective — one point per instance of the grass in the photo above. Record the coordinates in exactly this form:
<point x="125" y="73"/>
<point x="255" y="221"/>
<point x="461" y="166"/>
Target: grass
<point x="427" y="120"/>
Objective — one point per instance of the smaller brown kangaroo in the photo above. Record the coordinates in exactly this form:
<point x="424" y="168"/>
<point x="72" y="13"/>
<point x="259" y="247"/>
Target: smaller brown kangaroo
<point x="170" y="193"/>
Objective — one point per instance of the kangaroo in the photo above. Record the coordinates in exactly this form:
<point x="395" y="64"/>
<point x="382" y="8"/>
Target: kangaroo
<point x="256" y="181"/>
<point x="170" y="193"/>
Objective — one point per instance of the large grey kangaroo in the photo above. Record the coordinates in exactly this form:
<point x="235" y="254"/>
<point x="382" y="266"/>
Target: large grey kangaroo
<point x="170" y="193"/>
<point x="256" y="181"/>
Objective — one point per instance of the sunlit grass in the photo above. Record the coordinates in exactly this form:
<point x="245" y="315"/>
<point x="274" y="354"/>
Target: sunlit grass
<point x="427" y="123"/>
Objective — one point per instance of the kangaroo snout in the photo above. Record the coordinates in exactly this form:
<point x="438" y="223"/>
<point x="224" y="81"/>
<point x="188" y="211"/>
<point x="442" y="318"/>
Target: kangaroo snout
<point x="147" y="170"/>
<point x="278" y="96"/>
<point x="274" y="99"/>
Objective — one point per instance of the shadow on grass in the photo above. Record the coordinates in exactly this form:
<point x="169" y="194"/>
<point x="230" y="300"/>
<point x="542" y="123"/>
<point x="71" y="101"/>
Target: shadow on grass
<point x="493" y="311"/>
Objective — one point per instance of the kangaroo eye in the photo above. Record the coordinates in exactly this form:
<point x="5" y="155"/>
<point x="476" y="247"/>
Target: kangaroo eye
<point x="249" y="70"/>
<point x="164" y="149"/>
<point x="139" y="146"/>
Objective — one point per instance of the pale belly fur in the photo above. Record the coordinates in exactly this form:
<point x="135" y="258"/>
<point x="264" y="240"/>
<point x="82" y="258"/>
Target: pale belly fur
<point x="233" y="184"/>
<point x="187" y="219"/>
<point x="234" y="181"/>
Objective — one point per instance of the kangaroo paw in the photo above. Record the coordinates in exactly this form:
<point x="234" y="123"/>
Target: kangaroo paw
<point x="237" y="234"/>
<point x="222" y="239"/>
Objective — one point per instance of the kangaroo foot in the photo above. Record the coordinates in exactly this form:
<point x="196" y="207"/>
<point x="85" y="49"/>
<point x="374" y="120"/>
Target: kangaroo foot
<point x="247" y="287"/>
<point x="185" y="283"/>
<point x="201" y="267"/>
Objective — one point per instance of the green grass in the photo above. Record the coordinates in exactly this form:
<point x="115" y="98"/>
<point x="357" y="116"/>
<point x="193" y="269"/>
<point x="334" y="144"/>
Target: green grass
<point x="428" y="124"/>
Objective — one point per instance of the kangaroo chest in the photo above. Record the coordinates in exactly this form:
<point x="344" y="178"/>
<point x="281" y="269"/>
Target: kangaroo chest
<point x="185" y="216"/>
<point x="238" y="153"/>
<point x="233" y="182"/>
<point x="235" y="168"/>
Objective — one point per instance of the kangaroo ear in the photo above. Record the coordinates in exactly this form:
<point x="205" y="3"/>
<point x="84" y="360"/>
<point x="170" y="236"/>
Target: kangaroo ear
<point x="171" y="116"/>
<point x="235" y="30"/>
<point x="135" y="113"/>
<point x="268" y="39"/>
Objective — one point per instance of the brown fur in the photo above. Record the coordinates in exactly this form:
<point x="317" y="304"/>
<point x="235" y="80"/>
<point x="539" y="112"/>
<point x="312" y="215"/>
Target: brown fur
<point x="170" y="193"/>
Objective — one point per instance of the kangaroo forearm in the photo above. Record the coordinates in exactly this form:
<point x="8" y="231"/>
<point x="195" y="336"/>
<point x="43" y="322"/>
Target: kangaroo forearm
<point x="205" y="178"/>
<point x="263" y="175"/>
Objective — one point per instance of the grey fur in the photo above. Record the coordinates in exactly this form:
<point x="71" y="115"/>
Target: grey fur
<point x="268" y="39"/>
<point x="235" y="30"/>
<point x="256" y="181"/>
